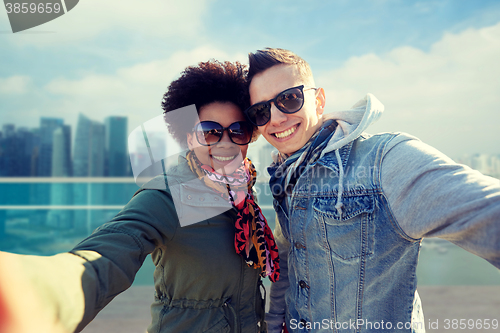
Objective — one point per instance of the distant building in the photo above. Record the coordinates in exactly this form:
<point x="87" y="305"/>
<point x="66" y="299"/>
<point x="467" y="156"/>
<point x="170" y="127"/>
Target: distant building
<point x="88" y="161"/>
<point x="16" y="151"/>
<point x="61" y="152"/>
<point x="260" y="153"/>
<point x="81" y="147"/>
<point x="150" y="149"/>
<point x="61" y="194"/>
<point x="97" y="150"/>
<point x="47" y="128"/>
<point x="88" y="150"/>
<point x="484" y="163"/>
<point x="35" y="152"/>
<point x="8" y="130"/>
<point x="28" y="145"/>
<point x="117" y="160"/>
<point x="9" y="151"/>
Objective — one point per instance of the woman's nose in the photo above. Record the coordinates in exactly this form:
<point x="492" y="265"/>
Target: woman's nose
<point x="225" y="140"/>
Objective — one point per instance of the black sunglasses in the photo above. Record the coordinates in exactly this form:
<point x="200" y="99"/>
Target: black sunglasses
<point x="288" y="101"/>
<point x="210" y="133"/>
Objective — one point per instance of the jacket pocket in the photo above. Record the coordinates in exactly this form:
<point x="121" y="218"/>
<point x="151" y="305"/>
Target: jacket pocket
<point x="348" y="236"/>
<point x="222" y="326"/>
<point x="188" y="319"/>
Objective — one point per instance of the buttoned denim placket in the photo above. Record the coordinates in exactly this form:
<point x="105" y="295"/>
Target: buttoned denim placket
<point x="301" y="225"/>
<point x="301" y="219"/>
<point x="324" y="272"/>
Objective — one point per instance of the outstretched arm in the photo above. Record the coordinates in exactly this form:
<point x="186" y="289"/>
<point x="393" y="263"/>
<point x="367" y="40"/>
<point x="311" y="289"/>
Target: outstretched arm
<point x="63" y="293"/>
<point x="432" y="196"/>
<point x="25" y="296"/>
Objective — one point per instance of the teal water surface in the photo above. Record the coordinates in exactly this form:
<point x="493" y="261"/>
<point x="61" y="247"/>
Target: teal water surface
<point x="46" y="217"/>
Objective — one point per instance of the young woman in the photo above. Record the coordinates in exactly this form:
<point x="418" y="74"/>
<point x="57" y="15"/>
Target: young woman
<point x="208" y="239"/>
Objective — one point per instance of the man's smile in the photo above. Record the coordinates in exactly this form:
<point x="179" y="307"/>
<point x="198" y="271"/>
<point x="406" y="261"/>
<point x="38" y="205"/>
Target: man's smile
<point x="286" y="133"/>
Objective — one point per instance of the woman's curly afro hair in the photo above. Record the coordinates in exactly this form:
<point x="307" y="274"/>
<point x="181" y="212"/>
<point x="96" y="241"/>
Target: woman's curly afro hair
<point x="209" y="82"/>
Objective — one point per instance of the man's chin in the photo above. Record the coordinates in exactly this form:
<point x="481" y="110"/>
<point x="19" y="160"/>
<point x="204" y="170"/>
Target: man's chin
<point x="287" y="148"/>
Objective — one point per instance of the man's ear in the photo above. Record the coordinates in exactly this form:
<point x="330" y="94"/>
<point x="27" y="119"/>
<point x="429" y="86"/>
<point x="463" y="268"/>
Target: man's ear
<point x="320" y="101"/>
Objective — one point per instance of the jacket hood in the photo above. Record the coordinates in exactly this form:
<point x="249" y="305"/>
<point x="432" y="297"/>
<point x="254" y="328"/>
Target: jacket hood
<point x="353" y="122"/>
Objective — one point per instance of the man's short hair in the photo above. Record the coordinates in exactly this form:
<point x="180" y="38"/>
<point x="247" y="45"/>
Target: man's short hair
<point x="264" y="59"/>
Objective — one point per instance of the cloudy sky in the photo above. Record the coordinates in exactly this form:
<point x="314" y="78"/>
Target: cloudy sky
<point x="433" y="64"/>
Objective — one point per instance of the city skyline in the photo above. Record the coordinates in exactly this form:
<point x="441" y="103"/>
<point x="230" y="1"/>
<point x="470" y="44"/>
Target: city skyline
<point x="62" y="164"/>
<point x="96" y="150"/>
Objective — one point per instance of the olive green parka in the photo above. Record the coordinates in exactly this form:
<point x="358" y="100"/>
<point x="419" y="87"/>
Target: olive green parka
<point x="201" y="284"/>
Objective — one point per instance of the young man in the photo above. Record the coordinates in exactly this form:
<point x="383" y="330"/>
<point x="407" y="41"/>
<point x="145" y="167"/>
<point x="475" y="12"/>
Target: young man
<point x="353" y="208"/>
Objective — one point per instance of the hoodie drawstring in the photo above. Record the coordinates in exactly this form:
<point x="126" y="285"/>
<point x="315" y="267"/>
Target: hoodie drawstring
<point x="339" y="204"/>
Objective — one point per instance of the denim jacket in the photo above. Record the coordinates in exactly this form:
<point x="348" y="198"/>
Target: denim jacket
<point x="353" y="269"/>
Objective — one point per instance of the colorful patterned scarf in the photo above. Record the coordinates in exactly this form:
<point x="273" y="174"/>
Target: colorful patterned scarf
<point x="253" y="238"/>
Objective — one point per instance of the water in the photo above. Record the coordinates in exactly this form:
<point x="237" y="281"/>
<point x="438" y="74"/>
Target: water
<point x="443" y="263"/>
<point x="49" y="216"/>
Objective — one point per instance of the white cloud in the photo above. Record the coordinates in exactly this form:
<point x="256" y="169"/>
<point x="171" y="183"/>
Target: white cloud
<point x="137" y="19"/>
<point x="15" y="85"/>
<point x="135" y="92"/>
<point x="447" y="96"/>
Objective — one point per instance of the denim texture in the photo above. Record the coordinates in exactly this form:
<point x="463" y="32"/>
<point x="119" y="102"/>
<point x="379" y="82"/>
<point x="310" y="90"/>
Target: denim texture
<point x="353" y="268"/>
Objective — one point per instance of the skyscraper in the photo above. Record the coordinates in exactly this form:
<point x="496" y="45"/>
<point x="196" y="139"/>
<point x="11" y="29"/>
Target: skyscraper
<point x="88" y="161"/>
<point x="97" y="149"/>
<point x="61" y="152"/>
<point x="81" y="148"/>
<point x="28" y="142"/>
<point x="16" y="151"/>
<point x="8" y="130"/>
<point x="47" y="128"/>
<point x="61" y="193"/>
<point x="9" y="151"/>
<point x="35" y="152"/>
<point x="117" y="160"/>
<point x="88" y="151"/>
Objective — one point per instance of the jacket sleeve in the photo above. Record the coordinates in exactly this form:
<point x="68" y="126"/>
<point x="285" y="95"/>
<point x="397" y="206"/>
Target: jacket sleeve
<point x="432" y="196"/>
<point x="277" y="309"/>
<point x="116" y="250"/>
<point x="71" y="288"/>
